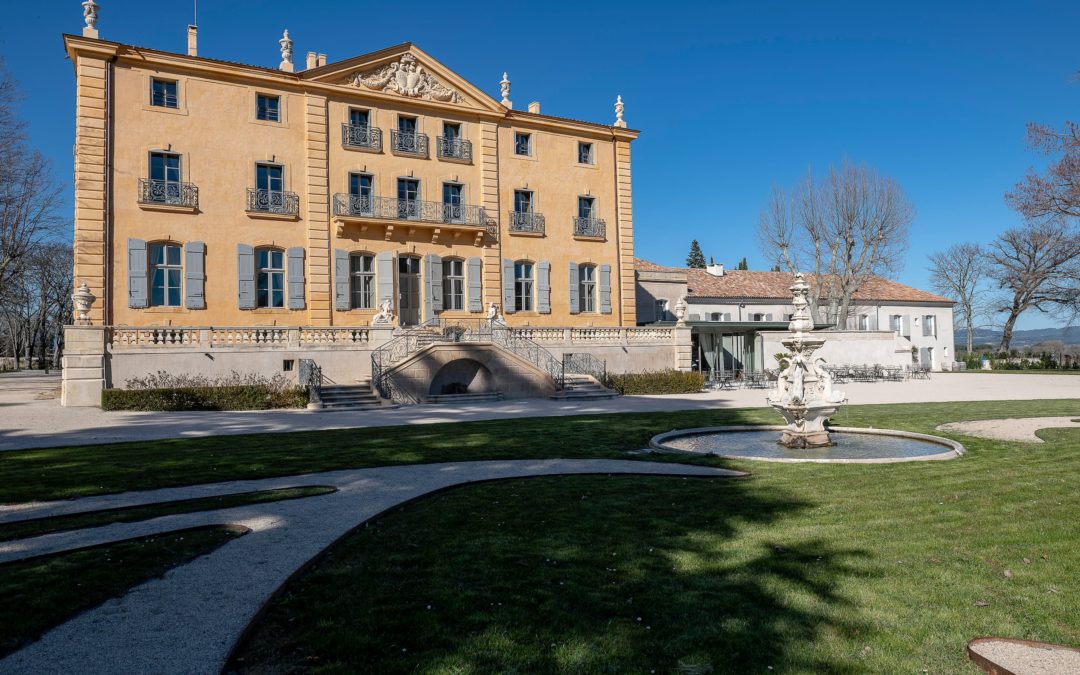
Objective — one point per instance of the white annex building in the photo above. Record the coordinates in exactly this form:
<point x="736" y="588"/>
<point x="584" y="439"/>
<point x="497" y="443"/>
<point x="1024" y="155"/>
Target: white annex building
<point x="738" y="318"/>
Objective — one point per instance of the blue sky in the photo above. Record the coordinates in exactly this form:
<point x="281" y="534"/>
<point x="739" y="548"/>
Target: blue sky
<point x="730" y="97"/>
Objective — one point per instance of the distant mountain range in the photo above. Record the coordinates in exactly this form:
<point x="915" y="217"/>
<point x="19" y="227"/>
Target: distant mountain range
<point x="1022" y="338"/>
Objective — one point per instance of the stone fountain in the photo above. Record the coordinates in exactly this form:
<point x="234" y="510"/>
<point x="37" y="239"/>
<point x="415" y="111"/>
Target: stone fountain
<point x="804" y="389"/>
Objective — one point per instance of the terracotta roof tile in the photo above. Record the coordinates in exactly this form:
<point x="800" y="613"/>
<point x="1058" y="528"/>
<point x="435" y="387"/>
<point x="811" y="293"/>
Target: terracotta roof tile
<point x="774" y="285"/>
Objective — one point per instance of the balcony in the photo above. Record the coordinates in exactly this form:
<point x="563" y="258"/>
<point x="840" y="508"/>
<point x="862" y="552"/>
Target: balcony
<point x="590" y="228"/>
<point x="454" y="148"/>
<point x="390" y="213"/>
<point x="170" y="195"/>
<point x="272" y="203"/>
<point x="406" y="143"/>
<point x="526" y="223"/>
<point x="361" y="137"/>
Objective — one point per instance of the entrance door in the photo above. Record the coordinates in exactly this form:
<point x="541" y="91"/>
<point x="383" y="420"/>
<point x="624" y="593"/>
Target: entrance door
<point x="409" y="291"/>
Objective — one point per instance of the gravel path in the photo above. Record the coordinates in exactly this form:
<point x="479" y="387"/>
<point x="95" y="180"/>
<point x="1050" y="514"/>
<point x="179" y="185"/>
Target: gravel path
<point x="1021" y="429"/>
<point x="187" y="621"/>
<point x="26" y="422"/>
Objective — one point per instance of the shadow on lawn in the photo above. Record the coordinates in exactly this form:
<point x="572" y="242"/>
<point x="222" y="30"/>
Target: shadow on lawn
<point x="572" y="574"/>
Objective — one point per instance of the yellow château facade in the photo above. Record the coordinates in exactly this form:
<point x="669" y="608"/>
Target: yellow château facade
<point x="379" y="189"/>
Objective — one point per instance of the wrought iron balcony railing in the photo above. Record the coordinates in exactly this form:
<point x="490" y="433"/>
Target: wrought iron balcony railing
<point x="526" y="222"/>
<point x="454" y="148"/>
<point x="590" y="227"/>
<point x="389" y="208"/>
<point x="272" y="201"/>
<point x="168" y="192"/>
<point x="355" y="136"/>
<point x="409" y="143"/>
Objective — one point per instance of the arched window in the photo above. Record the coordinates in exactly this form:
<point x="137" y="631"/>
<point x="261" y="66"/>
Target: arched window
<point x="587" y="287"/>
<point x="165" y="274"/>
<point x="362" y="281"/>
<point x="270" y="277"/>
<point x="453" y="273"/>
<point x="523" y="286"/>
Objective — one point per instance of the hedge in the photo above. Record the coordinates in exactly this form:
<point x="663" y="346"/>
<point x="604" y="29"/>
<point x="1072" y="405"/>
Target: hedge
<point x="658" y="382"/>
<point x="239" y="397"/>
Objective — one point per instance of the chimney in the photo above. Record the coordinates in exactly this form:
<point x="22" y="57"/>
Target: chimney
<point x="716" y="269"/>
<point x="311" y="60"/>
<point x="534" y="107"/>
<point x="321" y="61"/>
<point x="192" y="40"/>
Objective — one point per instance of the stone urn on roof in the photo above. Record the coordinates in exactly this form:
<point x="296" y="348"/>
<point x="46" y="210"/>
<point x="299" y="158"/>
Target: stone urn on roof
<point x="804" y="394"/>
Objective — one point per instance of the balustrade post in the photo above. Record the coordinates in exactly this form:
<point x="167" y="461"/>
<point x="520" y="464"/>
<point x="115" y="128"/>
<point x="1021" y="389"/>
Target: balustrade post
<point x="292" y="340"/>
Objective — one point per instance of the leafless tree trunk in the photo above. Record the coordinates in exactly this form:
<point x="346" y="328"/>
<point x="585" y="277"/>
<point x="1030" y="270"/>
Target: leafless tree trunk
<point x="851" y="226"/>
<point x="1038" y="266"/>
<point x="960" y="273"/>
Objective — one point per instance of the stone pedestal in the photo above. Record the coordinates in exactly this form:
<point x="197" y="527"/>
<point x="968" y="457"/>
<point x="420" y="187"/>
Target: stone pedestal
<point x="806" y="425"/>
<point x="684" y="348"/>
<point x="84" y="366"/>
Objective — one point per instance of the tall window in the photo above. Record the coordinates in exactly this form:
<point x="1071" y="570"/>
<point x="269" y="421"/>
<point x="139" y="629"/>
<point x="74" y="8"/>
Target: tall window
<point x="586" y="207"/>
<point x="451" y="197"/>
<point x="587" y="288"/>
<point x="523" y="201"/>
<point x="270" y="177"/>
<point x="270" y="271"/>
<point x="523" y="286"/>
<point x="895" y="323"/>
<point x="359" y="118"/>
<point x="864" y="322"/>
<point x="268" y="108"/>
<point x="451" y="132"/>
<point x="165" y="275"/>
<point x="406" y="125"/>
<point x="361" y="193"/>
<point x="361" y="281"/>
<point x="929" y="326"/>
<point x="164" y="177"/>
<point x="585" y="153"/>
<point x="522" y="144"/>
<point x="453" y="271"/>
<point x="163" y="93"/>
<point x="408" y="194"/>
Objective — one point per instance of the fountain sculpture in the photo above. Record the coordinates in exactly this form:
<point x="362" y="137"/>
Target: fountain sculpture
<point x="804" y="392"/>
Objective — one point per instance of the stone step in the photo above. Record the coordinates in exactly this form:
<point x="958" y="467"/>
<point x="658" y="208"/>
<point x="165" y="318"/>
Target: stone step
<point x="465" y="398"/>
<point x="577" y="395"/>
<point x="335" y="405"/>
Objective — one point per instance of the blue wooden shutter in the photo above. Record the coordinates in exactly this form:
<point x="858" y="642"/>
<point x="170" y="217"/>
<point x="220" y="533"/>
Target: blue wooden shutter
<point x="137" y="262"/>
<point x="436" y="283"/>
<point x="295" y="274"/>
<point x="384" y="269"/>
<point x="508" y="286"/>
<point x="476" y="284"/>
<point x="245" y="276"/>
<point x="575" y="307"/>
<point x="605" y="289"/>
<point x="543" y="285"/>
<point x="194" y="275"/>
<point x="341" y="280"/>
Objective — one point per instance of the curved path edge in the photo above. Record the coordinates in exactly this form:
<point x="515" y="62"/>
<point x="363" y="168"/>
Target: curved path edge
<point x="189" y="620"/>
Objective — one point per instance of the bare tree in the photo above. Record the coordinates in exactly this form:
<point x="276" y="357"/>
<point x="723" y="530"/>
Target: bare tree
<point x="960" y="273"/>
<point x="29" y="195"/>
<point x="851" y="226"/>
<point x="1037" y="265"/>
<point x="1056" y="193"/>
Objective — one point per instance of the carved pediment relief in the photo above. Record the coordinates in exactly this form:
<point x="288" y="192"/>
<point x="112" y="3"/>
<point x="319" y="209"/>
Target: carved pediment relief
<point x="407" y="78"/>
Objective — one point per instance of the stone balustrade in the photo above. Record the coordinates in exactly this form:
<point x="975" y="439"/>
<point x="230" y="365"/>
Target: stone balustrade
<point x="214" y="337"/>
<point x="596" y="336"/>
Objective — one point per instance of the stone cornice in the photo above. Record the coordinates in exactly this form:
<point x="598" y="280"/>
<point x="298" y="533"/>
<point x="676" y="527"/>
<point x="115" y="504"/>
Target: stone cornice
<point x="303" y="81"/>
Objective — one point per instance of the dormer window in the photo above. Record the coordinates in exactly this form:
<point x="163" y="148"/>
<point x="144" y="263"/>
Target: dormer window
<point x="585" y="153"/>
<point x="523" y="144"/>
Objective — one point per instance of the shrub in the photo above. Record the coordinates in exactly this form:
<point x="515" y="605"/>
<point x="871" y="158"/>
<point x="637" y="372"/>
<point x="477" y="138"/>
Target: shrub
<point x="239" y="397"/>
<point x="658" y="382"/>
<point x="164" y="391"/>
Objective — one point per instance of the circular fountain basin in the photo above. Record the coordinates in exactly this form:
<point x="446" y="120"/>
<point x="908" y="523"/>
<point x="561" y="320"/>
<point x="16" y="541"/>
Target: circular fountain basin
<point x="852" y="445"/>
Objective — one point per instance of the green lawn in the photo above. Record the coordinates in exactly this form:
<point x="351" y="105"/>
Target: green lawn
<point x="41" y="593"/>
<point x="37" y="526"/>
<point x="802" y="568"/>
<point x="58" y="473"/>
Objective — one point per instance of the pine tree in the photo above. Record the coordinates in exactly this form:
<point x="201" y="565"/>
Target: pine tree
<point x="742" y="265"/>
<point x="696" y="259"/>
